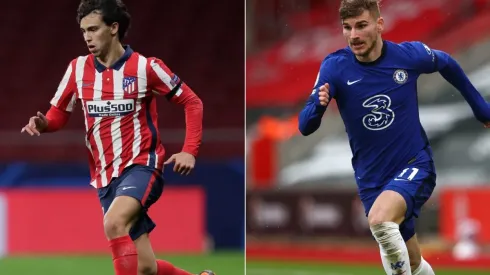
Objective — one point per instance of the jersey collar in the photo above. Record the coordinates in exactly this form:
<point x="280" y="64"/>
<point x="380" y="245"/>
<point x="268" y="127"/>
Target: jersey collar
<point x="383" y="54"/>
<point x="119" y="63"/>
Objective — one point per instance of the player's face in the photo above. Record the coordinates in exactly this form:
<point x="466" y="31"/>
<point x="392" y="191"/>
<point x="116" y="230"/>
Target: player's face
<point x="97" y="34"/>
<point x="362" y="33"/>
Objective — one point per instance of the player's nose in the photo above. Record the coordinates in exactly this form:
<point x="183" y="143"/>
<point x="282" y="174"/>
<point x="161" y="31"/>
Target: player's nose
<point x="354" y="34"/>
<point x="87" y="38"/>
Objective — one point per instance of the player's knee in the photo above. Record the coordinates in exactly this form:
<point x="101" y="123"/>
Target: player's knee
<point x="376" y="218"/>
<point x="381" y="215"/>
<point x="115" y="227"/>
<point x="145" y="268"/>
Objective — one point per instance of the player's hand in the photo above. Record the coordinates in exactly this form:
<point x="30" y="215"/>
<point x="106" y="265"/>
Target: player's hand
<point x="324" y="94"/>
<point x="37" y="124"/>
<point x="184" y="163"/>
<point x="487" y="125"/>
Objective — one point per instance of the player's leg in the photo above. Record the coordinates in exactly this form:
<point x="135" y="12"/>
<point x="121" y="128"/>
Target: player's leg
<point x="418" y="264"/>
<point x="392" y="215"/>
<point x="384" y="217"/>
<point x="117" y="223"/>
<point x="149" y="187"/>
<point x="149" y="265"/>
<point x="117" y="213"/>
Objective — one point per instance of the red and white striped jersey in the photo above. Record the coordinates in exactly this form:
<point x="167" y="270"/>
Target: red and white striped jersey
<point x="119" y="104"/>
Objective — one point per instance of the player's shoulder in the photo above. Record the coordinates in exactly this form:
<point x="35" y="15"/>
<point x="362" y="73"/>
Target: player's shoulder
<point x="336" y="58"/>
<point x="411" y="48"/>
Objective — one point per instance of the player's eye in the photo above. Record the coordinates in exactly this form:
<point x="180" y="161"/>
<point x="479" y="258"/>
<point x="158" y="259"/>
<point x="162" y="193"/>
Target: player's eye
<point x="348" y="28"/>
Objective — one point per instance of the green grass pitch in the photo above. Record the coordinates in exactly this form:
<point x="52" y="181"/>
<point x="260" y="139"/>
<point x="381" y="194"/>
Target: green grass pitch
<point x="282" y="268"/>
<point x="223" y="263"/>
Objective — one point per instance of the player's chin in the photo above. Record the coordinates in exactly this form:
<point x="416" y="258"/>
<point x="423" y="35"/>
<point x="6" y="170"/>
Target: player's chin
<point x="93" y="51"/>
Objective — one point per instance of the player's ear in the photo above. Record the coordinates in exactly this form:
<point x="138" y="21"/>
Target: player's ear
<point x="114" y="28"/>
<point x="380" y="24"/>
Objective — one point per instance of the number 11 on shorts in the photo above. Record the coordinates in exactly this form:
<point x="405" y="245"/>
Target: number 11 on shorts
<point x="411" y="176"/>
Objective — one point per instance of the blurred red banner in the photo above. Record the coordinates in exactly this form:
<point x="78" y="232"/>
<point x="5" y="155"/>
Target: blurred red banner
<point x="464" y="212"/>
<point x="70" y="221"/>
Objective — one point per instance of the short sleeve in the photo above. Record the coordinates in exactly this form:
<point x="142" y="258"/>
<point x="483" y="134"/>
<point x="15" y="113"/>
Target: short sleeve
<point x="162" y="80"/>
<point x="65" y="97"/>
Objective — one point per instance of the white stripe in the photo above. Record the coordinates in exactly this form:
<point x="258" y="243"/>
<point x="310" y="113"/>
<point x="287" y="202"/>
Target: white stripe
<point x="62" y="87"/>
<point x="117" y="145"/>
<point x="164" y="77"/>
<point x="96" y="131"/>
<point x="141" y="94"/>
<point x="179" y="92"/>
<point x="3" y="226"/>
<point x="79" y="71"/>
<point x="71" y="105"/>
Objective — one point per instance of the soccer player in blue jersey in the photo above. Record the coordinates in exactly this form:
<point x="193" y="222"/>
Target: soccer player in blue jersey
<point x="374" y="82"/>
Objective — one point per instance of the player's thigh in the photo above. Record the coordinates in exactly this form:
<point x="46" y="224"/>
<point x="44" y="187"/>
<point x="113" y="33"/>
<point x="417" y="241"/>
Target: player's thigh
<point x="119" y="212"/>
<point x="389" y="206"/>
<point x="146" y="256"/>
<point x="122" y="213"/>
<point x="414" y="252"/>
<point x="144" y="184"/>
<point x="415" y="186"/>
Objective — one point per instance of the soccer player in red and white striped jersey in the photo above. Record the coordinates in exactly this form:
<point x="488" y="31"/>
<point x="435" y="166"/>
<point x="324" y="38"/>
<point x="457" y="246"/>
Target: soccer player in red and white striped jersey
<point x="118" y="90"/>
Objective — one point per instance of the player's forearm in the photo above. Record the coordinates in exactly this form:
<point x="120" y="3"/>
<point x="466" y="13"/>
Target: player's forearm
<point x="193" y="108"/>
<point x="454" y="74"/>
<point x="57" y="119"/>
<point x="310" y="118"/>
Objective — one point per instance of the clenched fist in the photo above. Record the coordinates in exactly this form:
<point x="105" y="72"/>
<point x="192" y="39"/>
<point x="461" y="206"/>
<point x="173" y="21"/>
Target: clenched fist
<point x="324" y="94"/>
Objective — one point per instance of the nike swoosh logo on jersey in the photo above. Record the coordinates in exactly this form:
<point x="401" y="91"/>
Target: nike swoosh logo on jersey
<point x="353" y="82"/>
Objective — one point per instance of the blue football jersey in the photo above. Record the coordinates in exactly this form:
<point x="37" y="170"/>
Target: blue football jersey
<point x="378" y="104"/>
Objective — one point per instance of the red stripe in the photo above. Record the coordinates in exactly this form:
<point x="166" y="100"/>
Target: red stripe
<point x="127" y="123"/>
<point x="149" y="187"/>
<point x="159" y="149"/>
<point x="106" y="123"/>
<point x="145" y="134"/>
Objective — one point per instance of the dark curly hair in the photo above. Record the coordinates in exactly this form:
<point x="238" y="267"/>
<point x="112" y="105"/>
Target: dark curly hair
<point x="111" y="11"/>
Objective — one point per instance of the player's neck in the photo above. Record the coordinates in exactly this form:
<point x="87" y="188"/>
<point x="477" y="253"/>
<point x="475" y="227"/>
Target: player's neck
<point x="115" y="52"/>
<point x="374" y="54"/>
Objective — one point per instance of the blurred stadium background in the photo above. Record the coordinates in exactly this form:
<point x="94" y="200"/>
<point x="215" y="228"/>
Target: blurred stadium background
<point x="50" y="218"/>
<point x="303" y="214"/>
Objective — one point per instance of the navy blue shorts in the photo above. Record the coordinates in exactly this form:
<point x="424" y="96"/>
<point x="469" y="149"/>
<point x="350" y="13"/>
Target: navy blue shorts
<point x="140" y="182"/>
<point x="415" y="183"/>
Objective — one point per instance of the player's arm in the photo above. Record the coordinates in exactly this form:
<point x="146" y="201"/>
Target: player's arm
<point x="164" y="82"/>
<point x="62" y="105"/>
<point x="310" y="117"/>
<point x="430" y="60"/>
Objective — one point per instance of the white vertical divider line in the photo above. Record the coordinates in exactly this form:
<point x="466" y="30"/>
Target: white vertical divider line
<point x="3" y="226"/>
